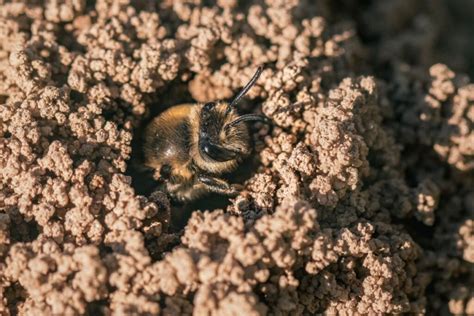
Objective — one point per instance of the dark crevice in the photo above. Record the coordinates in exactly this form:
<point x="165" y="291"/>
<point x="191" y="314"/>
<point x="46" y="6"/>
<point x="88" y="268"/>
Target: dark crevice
<point x="422" y="234"/>
<point x="15" y="295"/>
<point x="99" y="307"/>
<point x="22" y="231"/>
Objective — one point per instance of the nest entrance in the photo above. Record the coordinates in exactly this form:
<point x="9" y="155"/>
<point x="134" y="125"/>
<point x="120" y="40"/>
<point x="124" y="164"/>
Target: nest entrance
<point x="144" y="184"/>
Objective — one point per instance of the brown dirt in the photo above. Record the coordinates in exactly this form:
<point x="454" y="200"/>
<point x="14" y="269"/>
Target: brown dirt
<point x="359" y="199"/>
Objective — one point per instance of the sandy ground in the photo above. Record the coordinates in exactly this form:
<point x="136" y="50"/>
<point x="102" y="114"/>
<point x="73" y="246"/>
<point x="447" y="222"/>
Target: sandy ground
<point x="359" y="199"/>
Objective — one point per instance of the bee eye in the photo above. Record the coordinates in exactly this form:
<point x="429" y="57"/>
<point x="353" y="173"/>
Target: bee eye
<point x="216" y="152"/>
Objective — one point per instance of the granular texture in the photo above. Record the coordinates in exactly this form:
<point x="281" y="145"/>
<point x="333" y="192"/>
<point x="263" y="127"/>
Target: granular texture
<point x="358" y="199"/>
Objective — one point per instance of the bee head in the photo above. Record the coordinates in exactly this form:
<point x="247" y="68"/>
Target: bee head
<point x="223" y="135"/>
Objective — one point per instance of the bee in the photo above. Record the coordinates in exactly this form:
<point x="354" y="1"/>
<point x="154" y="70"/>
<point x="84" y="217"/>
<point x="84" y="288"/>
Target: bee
<point x="190" y="145"/>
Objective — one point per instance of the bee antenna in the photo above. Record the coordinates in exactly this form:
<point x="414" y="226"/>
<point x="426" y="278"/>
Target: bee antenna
<point x="245" y="89"/>
<point x="246" y="118"/>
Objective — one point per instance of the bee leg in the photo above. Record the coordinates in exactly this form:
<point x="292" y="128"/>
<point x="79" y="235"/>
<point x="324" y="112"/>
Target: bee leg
<point x="220" y="186"/>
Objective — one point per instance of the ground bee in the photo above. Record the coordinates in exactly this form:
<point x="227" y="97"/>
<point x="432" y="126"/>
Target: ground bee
<point x="190" y="145"/>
